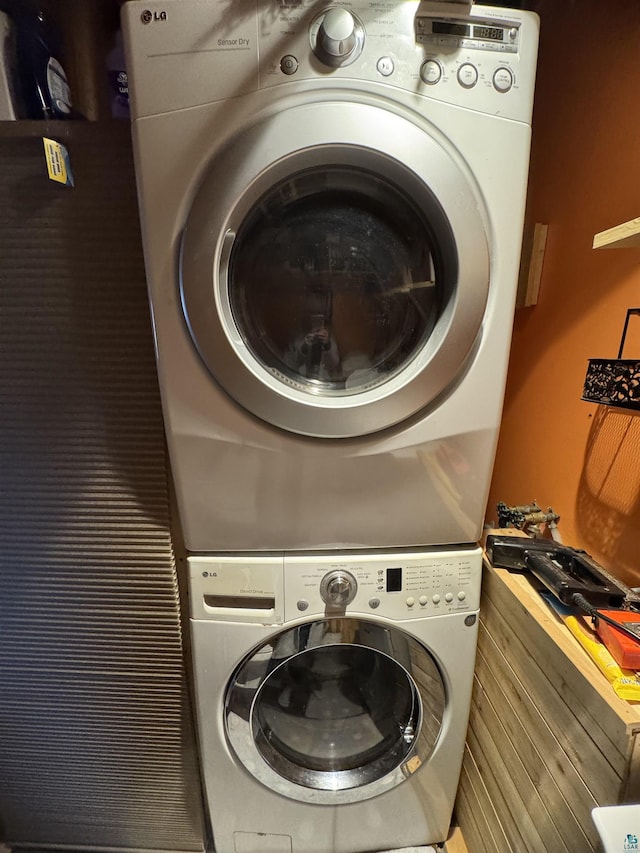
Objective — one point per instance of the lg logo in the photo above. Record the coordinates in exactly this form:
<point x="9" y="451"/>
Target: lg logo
<point x="147" y="16"/>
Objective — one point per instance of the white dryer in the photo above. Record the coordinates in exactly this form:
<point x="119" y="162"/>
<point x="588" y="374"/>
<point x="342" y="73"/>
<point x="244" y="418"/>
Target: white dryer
<point x="332" y="695"/>
<point x="332" y="202"/>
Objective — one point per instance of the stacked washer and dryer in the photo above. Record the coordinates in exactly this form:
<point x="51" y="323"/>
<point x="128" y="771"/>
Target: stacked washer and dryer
<point x="332" y="201"/>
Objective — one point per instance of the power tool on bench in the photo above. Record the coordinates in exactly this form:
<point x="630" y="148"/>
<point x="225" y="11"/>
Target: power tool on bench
<point x="576" y="579"/>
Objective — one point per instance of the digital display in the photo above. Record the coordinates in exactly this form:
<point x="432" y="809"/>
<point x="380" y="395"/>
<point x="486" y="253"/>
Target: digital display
<point x="491" y="33"/>
<point x="394" y="580"/>
<point x="447" y="29"/>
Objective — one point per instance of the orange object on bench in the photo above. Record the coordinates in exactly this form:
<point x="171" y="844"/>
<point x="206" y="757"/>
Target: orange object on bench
<point x="624" y="649"/>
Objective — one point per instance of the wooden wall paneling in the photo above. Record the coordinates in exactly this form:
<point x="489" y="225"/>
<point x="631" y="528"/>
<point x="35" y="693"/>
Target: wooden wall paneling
<point x="556" y="655"/>
<point x="493" y="833"/>
<point x="631" y="782"/>
<point x="530" y="729"/>
<point x="497" y="784"/>
<point x="538" y="787"/>
<point x="468" y="813"/>
<point x="585" y="752"/>
<point x="548" y="739"/>
<point x="521" y="789"/>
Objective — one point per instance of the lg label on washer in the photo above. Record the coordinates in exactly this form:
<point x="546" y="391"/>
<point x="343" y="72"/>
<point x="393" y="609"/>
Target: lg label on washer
<point x="147" y="16"/>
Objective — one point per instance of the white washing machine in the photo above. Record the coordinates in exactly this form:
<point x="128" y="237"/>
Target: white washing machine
<point x="332" y="695"/>
<point x="332" y="202"/>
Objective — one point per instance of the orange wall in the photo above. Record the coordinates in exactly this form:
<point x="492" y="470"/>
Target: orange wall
<point x="579" y="458"/>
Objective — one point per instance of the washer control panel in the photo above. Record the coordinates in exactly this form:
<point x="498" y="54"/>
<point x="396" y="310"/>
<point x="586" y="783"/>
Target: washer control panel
<point x="278" y="588"/>
<point x="401" y="585"/>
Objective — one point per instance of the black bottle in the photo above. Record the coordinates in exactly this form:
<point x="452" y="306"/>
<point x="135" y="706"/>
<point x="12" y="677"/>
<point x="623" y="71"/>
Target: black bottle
<point x="43" y="89"/>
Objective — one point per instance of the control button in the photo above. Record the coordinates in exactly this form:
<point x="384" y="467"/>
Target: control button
<point x="431" y="72"/>
<point x="503" y="79"/>
<point x="448" y="597"/>
<point x="513" y="33"/>
<point x="436" y="599"/>
<point x="385" y="66"/>
<point x="288" y="64"/>
<point x="467" y="75"/>
<point x="302" y="604"/>
<point x="374" y="603"/>
<point x="410" y="601"/>
<point x="423" y="600"/>
<point x="462" y="595"/>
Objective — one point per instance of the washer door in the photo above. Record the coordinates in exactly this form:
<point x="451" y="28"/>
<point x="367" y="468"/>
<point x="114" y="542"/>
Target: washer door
<point x="334" y="269"/>
<point x="335" y="711"/>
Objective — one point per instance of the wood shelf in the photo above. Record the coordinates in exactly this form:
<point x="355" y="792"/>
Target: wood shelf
<point x="623" y="236"/>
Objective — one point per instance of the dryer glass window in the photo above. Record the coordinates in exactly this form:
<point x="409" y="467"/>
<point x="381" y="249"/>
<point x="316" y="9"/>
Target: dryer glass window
<point x="334" y="280"/>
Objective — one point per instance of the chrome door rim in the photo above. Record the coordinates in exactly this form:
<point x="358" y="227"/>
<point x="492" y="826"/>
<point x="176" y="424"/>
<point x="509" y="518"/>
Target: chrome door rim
<point x="350" y="786"/>
<point x="269" y="151"/>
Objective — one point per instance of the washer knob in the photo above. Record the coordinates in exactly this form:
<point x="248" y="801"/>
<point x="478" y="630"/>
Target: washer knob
<point x="339" y="38"/>
<point x="338" y="588"/>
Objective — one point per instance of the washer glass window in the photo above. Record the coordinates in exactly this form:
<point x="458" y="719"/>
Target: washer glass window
<point x="333" y="279"/>
<point x="335" y="707"/>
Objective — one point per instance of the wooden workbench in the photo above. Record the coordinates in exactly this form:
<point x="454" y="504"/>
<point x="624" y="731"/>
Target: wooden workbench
<point x="548" y="738"/>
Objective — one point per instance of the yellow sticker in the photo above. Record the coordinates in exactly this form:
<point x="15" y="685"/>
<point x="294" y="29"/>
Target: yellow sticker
<point x="57" y="158"/>
<point x="413" y="764"/>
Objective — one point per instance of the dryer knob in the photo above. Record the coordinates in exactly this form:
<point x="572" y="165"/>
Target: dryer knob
<point x="338" y="588"/>
<point x="338" y="32"/>
<point x="339" y="38"/>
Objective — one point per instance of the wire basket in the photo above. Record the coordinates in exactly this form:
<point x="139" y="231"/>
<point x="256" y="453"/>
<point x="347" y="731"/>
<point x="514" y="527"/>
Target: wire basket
<point x="614" y="381"/>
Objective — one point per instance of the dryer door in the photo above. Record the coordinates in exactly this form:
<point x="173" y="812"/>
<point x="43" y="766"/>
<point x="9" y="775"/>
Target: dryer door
<point x="335" y="269"/>
<point x="335" y="711"/>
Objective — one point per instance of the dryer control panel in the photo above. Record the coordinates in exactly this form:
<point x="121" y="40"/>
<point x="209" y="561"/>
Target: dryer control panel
<point x="187" y="53"/>
<point x="479" y="57"/>
<point x="396" y="585"/>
